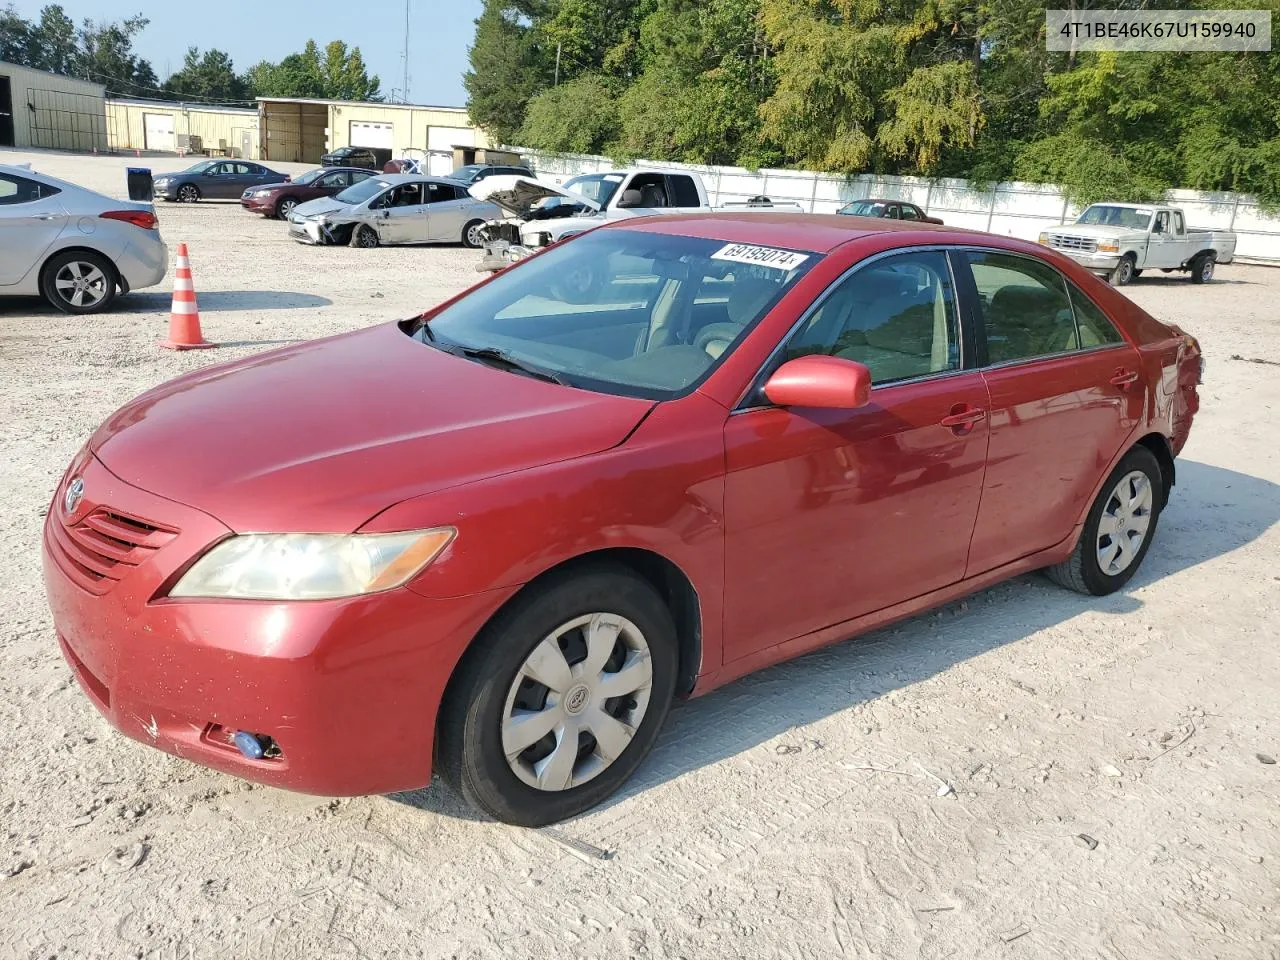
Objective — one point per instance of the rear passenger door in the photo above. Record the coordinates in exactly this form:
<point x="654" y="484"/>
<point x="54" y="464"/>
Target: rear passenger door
<point x="446" y="212"/>
<point x="1065" y="395"/>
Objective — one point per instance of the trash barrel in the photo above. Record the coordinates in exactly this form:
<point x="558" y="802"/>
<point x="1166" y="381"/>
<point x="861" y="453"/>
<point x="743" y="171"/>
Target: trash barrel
<point x="140" y="186"/>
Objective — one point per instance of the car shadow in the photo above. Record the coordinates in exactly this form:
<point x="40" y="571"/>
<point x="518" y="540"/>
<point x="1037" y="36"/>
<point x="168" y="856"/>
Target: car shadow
<point x="213" y="301"/>
<point x="1213" y="511"/>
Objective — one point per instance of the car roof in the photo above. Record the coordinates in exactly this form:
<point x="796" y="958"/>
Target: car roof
<point x="878" y="200"/>
<point x="395" y="179"/>
<point x="814" y="232"/>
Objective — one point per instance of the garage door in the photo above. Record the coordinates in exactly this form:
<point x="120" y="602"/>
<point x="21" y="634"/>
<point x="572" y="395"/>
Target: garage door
<point x="371" y="135"/>
<point x="157" y="131"/>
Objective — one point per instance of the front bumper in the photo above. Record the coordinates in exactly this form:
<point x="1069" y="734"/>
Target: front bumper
<point x="500" y="254"/>
<point x="263" y="205"/>
<point x="1096" y="262"/>
<point x="348" y="689"/>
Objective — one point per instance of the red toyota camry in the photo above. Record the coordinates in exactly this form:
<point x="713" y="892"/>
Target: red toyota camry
<point x="496" y="541"/>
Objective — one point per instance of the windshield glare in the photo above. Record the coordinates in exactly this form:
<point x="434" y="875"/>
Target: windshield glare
<point x="362" y="191"/>
<point x="1131" y="218"/>
<point x="465" y="174"/>
<point x="595" y="186"/>
<point x="198" y="167"/>
<point x="309" y="176"/>
<point x="864" y="208"/>
<point x="622" y="311"/>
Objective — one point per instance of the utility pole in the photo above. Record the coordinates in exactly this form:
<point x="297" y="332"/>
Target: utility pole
<point x="557" y="83"/>
<point x="406" y="51"/>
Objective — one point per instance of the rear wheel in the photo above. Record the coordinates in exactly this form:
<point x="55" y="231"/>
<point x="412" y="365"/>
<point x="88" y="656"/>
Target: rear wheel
<point x="1118" y="529"/>
<point x="1202" y="268"/>
<point x="79" y="282"/>
<point x="472" y="236"/>
<point x="188" y="193"/>
<point x="364" y="236"/>
<point x="560" y="698"/>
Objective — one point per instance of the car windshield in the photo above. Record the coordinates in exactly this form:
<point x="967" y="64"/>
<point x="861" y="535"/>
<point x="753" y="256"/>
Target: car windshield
<point x="309" y="176"/>
<point x="466" y="174"/>
<point x="596" y="186"/>
<point x="200" y="167"/>
<point x="1131" y="218"/>
<point x="362" y="191"/>
<point x="865" y="208"/>
<point x="622" y="311"/>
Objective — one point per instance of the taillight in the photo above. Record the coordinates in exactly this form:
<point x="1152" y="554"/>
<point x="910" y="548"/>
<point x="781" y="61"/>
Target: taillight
<point x="139" y="218"/>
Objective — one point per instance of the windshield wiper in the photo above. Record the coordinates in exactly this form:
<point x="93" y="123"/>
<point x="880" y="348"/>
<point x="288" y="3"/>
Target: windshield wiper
<point x="500" y="358"/>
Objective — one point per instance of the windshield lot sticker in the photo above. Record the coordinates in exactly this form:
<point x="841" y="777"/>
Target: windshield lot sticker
<point x="760" y="256"/>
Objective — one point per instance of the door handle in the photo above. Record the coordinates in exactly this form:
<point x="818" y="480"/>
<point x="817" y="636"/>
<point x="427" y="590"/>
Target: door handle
<point x="1122" y="377"/>
<point x="49" y="216"/>
<point x="962" y="418"/>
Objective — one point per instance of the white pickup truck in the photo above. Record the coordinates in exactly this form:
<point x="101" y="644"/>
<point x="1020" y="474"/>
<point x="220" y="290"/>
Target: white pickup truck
<point x="1120" y="240"/>
<point x="540" y="213"/>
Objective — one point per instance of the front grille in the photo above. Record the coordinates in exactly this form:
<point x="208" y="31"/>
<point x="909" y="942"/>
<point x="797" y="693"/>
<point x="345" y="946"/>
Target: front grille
<point x="1062" y="241"/>
<point x="99" y="550"/>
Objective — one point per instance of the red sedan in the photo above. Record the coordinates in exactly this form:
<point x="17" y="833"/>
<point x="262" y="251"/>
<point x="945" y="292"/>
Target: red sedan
<point x="498" y="539"/>
<point x="278" y="199"/>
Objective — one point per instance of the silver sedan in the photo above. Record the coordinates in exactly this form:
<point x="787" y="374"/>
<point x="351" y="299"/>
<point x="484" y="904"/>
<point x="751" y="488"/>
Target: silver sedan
<point x="394" y="209"/>
<point x="76" y="248"/>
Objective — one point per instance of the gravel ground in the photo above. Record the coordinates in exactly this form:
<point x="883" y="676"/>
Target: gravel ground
<point x="1112" y="795"/>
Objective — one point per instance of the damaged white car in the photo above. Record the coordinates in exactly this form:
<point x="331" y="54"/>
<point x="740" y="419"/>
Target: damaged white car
<point x="541" y="213"/>
<point x="394" y="209"/>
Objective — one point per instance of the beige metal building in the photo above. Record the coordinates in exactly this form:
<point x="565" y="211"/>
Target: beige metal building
<point x="165" y="127"/>
<point x="50" y="111"/>
<point x="301" y="130"/>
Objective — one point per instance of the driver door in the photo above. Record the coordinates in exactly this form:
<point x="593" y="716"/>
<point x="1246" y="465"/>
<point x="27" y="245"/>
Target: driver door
<point x="403" y="216"/>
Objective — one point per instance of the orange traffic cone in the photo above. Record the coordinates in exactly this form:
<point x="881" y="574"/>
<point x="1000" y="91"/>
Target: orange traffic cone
<point x="184" y="316"/>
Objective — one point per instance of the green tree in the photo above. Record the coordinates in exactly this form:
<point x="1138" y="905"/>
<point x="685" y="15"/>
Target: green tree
<point x="106" y="56"/>
<point x="205" y="78"/>
<point x="16" y="42"/>
<point x="506" y="70"/>
<point x="579" y="116"/>
<point x="55" y="40"/>
<point x="338" y="73"/>
<point x="345" y="76"/>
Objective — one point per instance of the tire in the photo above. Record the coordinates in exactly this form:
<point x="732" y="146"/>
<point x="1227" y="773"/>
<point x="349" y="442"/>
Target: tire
<point x="471" y="238"/>
<point x="577" y="283"/>
<point x="285" y="207"/>
<point x="89" y="278"/>
<point x="1083" y="570"/>
<point x="1123" y="273"/>
<point x="492" y="687"/>
<point x="189" y="193"/>
<point x="364" y="236"/>
<point x="1137" y="273"/>
<point x="1202" y="268"/>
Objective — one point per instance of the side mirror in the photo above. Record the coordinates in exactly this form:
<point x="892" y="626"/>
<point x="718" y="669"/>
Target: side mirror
<point x="819" y="381"/>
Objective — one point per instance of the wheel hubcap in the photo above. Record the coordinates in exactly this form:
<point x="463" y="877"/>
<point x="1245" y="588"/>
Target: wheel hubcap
<point x="188" y="194"/>
<point x="1207" y="271"/>
<point x="81" y="284"/>
<point x="286" y="208"/>
<point x="473" y="236"/>
<point x="576" y="701"/>
<point x="1125" y="521"/>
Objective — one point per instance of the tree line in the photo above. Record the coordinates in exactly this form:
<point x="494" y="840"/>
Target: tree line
<point x="937" y="88"/>
<point x="103" y="52"/>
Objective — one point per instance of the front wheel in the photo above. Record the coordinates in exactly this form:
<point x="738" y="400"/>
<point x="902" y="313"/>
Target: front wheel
<point x="1202" y="268"/>
<point x="1123" y="273"/>
<point x="188" y="193"/>
<point x="79" y="282"/>
<point x="560" y="698"/>
<point x="473" y="234"/>
<point x="1118" y="529"/>
<point x="285" y="207"/>
<point x="364" y="236"/>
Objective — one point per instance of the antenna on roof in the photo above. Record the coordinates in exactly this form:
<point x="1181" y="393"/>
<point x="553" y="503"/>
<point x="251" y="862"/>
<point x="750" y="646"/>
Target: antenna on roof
<point x="406" y="51"/>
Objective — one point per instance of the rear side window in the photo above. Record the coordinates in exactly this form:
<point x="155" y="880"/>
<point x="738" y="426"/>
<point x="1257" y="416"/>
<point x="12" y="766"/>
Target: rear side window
<point x="684" y="193"/>
<point x="896" y="316"/>
<point x="1096" y="329"/>
<point x="21" y="190"/>
<point x="1025" y="309"/>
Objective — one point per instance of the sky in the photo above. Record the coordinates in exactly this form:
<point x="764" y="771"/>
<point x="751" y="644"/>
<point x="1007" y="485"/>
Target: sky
<point x="439" y="34"/>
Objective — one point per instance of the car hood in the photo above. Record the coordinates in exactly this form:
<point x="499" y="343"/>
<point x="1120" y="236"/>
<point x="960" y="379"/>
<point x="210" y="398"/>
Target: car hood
<point x="519" y="195"/>
<point x="319" y="206"/>
<point x="322" y="436"/>
<point x="1098" y="231"/>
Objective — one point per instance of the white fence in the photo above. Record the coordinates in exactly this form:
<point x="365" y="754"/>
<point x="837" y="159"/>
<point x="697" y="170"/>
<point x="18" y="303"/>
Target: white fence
<point x="1017" y="209"/>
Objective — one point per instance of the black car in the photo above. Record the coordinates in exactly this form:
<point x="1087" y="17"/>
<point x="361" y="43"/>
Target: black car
<point x="370" y="158"/>
<point x="475" y="172"/>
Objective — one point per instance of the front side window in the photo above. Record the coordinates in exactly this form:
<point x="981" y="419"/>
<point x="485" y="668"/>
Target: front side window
<point x="622" y="311"/>
<point x="333" y="181"/>
<point x="896" y="316"/>
<point x="1025" y="309"/>
<point x="909" y="212"/>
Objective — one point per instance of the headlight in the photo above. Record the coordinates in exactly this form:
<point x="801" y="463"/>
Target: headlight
<point x="311" y="566"/>
<point x="1108" y="247"/>
<point x="1044" y="238"/>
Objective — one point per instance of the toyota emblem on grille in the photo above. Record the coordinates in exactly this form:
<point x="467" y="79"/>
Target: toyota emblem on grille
<point x="75" y="493"/>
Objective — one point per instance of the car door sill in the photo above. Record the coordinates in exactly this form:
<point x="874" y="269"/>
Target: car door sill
<point x="848" y="629"/>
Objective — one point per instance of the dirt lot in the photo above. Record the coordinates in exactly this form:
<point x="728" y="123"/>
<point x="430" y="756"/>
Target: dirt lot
<point x="793" y="814"/>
